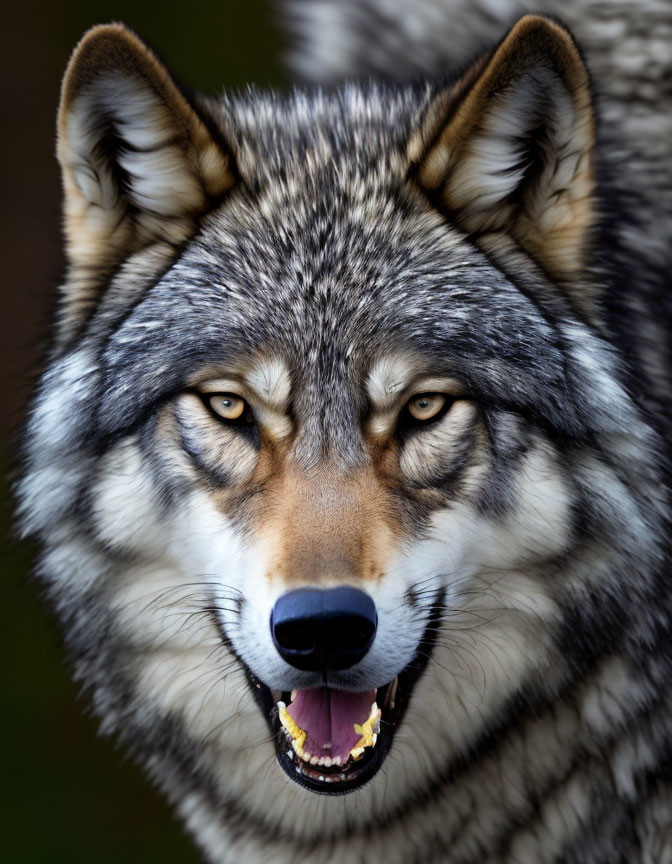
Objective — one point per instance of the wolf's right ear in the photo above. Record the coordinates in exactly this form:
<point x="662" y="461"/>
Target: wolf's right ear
<point x="139" y="163"/>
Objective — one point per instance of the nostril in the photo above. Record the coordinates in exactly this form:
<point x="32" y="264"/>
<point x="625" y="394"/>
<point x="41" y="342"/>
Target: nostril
<point x="293" y="638"/>
<point x="323" y="629"/>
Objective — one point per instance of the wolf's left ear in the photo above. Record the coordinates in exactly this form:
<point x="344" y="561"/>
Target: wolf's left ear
<point x="509" y="147"/>
<point x="139" y="161"/>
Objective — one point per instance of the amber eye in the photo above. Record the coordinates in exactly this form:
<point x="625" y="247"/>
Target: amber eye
<point x="227" y="405"/>
<point x="426" y="405"/>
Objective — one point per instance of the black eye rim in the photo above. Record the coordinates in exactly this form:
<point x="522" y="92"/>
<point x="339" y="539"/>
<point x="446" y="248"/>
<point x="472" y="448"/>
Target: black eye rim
<point x="408" y="423"/>
<point x="245" y="420"/>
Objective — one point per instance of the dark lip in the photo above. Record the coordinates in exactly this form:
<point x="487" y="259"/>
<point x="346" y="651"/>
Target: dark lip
<point x="331" y="782"/>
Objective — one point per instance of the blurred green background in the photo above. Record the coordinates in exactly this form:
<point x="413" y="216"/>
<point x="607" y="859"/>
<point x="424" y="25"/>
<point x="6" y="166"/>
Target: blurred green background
<point x="67" y="795"/>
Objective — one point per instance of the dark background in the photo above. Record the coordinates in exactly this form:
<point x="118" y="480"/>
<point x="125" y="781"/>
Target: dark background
<point x="67" y="795"/>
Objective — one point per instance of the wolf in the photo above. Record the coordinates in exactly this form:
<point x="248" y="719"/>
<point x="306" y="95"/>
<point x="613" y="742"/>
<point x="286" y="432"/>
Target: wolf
<point x="350" y="463"/>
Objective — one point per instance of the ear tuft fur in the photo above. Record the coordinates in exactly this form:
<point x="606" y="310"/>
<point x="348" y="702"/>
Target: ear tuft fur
<point x="509" y="147"/>
<point x="139" y="163"/>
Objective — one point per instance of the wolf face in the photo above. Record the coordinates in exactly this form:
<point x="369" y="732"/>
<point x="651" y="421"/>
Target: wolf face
<point x="335" y="465"/>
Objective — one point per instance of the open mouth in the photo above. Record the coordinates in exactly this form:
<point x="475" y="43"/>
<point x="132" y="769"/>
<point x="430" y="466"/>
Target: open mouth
<point x="333" y="741"/>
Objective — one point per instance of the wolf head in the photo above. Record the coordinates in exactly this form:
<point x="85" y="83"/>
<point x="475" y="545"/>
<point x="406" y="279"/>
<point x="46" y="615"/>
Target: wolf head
<point x="332" y="410"/>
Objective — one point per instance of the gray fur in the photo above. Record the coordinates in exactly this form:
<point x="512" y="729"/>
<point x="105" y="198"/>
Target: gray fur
<point x="627" y="45"/>
<point x="328" y="255"/>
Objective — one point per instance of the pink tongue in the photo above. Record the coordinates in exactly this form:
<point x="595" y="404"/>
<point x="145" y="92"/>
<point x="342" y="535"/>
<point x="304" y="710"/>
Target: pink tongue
<point x="328" y="718"/>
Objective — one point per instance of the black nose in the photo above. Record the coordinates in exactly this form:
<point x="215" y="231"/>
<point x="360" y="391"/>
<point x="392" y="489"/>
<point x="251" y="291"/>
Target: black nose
<point x="322" y="630"/>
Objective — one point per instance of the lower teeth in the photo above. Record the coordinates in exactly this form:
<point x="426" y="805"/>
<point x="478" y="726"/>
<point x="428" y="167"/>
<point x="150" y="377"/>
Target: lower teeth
<point x="368" y="733"/>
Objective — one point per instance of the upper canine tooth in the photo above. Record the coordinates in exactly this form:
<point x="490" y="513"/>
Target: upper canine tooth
<point x="367" y="732"/>
<point x="296" y="733"/>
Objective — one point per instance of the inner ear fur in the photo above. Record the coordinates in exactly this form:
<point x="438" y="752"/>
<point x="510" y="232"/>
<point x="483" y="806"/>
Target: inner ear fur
<point x="509" y="147"/>
<point x="139" y="162"/>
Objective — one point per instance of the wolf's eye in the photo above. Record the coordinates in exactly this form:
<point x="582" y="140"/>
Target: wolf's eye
<point x="426" y="406"/>
<point x="228" y="406"/>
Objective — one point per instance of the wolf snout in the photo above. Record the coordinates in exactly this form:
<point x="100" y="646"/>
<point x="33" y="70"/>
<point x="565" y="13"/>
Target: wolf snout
<point x="324" y="630"/>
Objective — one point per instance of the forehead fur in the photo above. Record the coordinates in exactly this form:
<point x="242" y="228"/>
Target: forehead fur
<point x="327" y="254"/>
<point x="283" y="140"/>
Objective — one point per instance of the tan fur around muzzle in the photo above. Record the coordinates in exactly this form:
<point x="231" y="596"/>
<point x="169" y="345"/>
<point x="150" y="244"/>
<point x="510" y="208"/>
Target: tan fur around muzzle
<point x="328" y="528"/>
